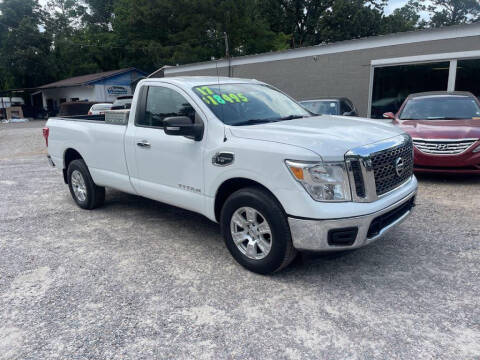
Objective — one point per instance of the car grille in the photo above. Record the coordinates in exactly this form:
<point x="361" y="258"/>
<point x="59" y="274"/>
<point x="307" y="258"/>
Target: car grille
<point x="378" y="168"/>
<point x="443" y="147"/>
<point x="384" y="163"/>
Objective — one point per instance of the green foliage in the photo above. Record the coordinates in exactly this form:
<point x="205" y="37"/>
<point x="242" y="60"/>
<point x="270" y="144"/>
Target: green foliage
<point x="176" y="32"/>
<point x="24" y="49"/>
<point x="406" y="18"/>
<point x="450" y="12"/>
<point x="100" y="13"/>
<point x="74" y="37"/>
<point x="349" y="19"/>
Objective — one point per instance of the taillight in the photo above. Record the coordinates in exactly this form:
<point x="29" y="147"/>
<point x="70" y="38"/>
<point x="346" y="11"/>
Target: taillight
<point x="46" y="132"/>
<point x="90" y="113"/>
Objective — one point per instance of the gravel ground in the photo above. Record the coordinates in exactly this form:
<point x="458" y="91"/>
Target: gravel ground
<point x="137" y="279"/>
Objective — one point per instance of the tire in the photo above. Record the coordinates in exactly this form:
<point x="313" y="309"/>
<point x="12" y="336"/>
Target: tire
<point x="84" y="191"/>
<point x="261" y="251"/>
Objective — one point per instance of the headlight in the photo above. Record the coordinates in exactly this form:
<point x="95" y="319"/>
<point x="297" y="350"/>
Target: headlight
<point x="477" y="149"/>
<point x="324" y="181"/>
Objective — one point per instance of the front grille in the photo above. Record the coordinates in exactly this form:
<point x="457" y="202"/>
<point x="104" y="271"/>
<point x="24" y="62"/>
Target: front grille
<point x="443" y="147"/>
<point x="385" y="168"/>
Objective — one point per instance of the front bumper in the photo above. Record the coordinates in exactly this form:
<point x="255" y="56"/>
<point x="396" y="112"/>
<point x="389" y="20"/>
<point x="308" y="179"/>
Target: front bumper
<point x="467" y="162"/>
<point x="318" y="235"/>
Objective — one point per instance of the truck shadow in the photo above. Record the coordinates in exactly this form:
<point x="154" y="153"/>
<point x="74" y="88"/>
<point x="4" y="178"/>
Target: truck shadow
<point x="465" y="179"/>
<point x="126" y="205"/>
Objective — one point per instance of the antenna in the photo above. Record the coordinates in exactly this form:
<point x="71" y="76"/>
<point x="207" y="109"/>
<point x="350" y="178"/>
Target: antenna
<point x="227" y="54"/>
<point x="227" y="51"/>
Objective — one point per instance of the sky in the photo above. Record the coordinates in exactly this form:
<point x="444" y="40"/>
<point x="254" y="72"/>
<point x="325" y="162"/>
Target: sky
<point x="394" y="4"/>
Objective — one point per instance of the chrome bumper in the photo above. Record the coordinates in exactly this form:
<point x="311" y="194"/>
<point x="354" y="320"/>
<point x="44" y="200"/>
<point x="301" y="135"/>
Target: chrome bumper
<point x="312" y="235"/>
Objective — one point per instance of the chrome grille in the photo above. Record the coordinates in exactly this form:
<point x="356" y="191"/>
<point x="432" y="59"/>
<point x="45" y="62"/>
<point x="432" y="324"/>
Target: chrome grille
<point x="384" y="163"/>
<point x="443" y="147"/>
<point x="373" y="170"/>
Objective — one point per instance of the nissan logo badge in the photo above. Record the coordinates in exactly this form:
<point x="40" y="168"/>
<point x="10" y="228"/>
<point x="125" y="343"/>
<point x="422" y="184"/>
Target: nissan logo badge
<point x="399" y="166"/>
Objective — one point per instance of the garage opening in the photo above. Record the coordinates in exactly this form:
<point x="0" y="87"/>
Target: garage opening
<point x="392" y="84"/>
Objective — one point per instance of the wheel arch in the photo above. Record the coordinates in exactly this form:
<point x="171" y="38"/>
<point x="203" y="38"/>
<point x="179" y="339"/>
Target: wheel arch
<point x="228" y="187"/>
<point x="69" y="155"/>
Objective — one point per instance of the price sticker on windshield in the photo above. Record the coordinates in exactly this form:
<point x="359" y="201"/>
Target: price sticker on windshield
<point x="209" y="97"/>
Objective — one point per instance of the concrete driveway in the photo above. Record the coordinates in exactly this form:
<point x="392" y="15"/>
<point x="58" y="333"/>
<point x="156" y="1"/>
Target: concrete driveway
<point x="137" y="279"/>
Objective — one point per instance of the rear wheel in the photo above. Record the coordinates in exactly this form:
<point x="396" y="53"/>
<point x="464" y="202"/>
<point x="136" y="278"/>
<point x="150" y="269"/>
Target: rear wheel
<point x="256" y="231"/>
<point x="84" y="191"/>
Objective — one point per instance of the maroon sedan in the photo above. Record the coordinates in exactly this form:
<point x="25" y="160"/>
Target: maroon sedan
<point x="445" y="127"/>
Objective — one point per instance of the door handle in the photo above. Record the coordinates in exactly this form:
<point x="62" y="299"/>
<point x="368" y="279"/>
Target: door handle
<point x="144" y="144"/>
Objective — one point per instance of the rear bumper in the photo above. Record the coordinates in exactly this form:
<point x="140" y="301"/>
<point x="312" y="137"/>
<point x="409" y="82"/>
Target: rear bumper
<point x="348" y="233"/>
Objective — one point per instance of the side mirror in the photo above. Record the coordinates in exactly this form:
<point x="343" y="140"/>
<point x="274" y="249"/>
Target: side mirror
<point x="389" y="115"/>
<point x="183" y="126"/>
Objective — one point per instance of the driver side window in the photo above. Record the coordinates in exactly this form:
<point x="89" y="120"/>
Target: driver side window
<point x="162" y="103"/>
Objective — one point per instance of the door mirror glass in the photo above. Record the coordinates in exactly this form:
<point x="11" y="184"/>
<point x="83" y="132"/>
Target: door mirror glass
<point x="183" y="126"/>
<point x="389" y="115"/>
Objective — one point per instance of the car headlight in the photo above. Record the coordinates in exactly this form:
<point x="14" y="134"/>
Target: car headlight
<point x="324" y="181"/>
<point x="477" y="149"/>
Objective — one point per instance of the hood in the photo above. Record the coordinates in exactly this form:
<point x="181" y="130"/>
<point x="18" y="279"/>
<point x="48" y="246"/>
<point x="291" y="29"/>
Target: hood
<point x="328" y="136"/>
<point x="442" y="129"/>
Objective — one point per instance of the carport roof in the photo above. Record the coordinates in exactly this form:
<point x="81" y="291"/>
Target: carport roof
<point x="86" y="79"/>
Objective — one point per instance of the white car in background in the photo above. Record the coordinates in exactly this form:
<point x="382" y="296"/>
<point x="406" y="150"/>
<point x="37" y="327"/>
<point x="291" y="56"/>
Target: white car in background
<point x="99" y="109"/>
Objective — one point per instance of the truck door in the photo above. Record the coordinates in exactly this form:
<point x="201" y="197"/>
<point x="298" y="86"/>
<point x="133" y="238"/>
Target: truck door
<point x="167" y="168"/>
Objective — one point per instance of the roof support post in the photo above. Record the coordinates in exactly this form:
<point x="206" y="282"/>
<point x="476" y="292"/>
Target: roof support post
<point x="452" y="75"/>
<point x="370" y="91"/>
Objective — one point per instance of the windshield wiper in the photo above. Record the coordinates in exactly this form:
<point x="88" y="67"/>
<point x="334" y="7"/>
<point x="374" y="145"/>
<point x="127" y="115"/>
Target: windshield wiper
<point x="263" y="121"/>
<point x="292" y="117"/>
<point x="446" y="118"/>
<point x="254" y="122"/>
<point x="437" y="118"/>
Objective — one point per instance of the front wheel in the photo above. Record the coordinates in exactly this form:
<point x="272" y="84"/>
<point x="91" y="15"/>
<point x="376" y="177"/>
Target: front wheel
<point x="256" y="231"/>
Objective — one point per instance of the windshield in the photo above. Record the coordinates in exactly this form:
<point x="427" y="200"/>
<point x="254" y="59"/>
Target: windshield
<point x="248" y="104"/>
<point x="441" y="108"/>
<point x="323" y="107"/>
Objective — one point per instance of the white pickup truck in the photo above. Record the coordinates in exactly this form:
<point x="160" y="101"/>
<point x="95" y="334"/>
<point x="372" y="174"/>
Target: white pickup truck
<point x="276" y="177"/>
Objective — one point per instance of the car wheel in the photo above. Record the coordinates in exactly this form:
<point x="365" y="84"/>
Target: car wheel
<point x="256" y="231"/>
<point x="84" y="191"/>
